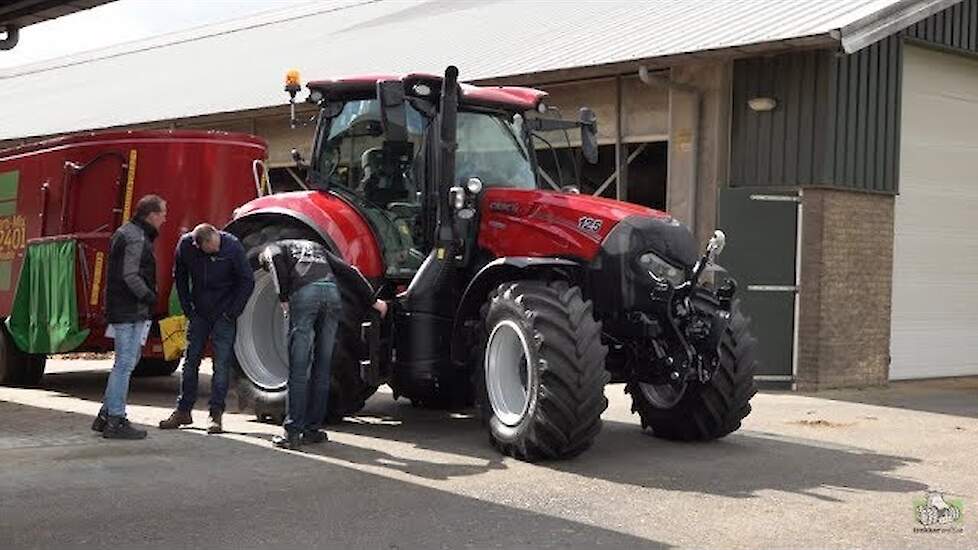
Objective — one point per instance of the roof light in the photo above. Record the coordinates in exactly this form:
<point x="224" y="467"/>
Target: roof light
<point x="292" y="81"/>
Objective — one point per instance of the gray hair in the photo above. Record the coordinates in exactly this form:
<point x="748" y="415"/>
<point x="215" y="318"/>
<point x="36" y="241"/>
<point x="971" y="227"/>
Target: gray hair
<point x="204" y="232"/>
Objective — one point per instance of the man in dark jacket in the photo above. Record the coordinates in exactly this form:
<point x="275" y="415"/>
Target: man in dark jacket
<point x="214" y="281"/>
<point x="130" y="298"/>
<point x="303" y="275"/>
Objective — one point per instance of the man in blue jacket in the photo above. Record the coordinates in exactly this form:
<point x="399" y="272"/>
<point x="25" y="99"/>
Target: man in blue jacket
<point x="214" y="281"/>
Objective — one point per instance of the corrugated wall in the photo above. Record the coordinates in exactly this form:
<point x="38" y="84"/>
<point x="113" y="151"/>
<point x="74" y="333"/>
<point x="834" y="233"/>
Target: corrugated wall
<point x="837" y="120"/>
<point x="955" y="27"/>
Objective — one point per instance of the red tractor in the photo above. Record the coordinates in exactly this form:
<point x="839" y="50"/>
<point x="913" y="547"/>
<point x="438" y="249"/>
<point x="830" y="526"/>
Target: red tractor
<point x="522" y="299"/>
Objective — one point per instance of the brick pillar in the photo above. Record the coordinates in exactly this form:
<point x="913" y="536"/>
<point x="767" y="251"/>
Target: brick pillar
<point x="846" y="287"/>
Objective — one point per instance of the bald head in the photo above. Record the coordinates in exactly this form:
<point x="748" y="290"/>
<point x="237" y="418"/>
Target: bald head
<point x="207" y="238"/>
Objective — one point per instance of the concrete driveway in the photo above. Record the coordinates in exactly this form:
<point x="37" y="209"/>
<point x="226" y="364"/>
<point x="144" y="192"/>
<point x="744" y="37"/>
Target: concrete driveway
<point x="835" y="470"/>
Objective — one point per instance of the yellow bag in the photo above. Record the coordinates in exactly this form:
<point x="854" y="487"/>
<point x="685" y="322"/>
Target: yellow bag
<point x="173" y="332"/>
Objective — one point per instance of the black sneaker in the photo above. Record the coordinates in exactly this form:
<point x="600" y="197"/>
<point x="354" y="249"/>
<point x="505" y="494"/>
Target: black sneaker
<point x="118" y="427"/>
<point x="289" y="441"/>
<point x="314" y="436"/>
<point x="98" y="425"/>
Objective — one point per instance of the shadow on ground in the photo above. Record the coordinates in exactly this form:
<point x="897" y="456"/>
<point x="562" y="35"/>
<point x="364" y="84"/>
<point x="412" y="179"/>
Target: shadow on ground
<point x="951" y="396"/>
<point x="739" y="466"/>
<point x="178" y="489"/>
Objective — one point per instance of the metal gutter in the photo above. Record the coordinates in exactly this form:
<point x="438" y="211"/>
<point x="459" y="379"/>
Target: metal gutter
<point x="890" y="20"/>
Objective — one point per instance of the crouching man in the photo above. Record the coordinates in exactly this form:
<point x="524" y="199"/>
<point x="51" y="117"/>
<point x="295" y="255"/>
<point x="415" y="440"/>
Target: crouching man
<point x="214" y="281"/>
<point x="303" y="275"/>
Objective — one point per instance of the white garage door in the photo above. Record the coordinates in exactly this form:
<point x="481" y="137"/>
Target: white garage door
<point x="935" y="265"/>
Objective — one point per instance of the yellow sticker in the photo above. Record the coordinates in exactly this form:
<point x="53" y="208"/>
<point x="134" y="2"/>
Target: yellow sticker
<point x="130" y="183"/>
<point x="441" y="253"/>
<point x="97" y="279"/>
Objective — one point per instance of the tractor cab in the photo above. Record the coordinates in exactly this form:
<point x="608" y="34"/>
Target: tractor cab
<point x="378" y="145"/>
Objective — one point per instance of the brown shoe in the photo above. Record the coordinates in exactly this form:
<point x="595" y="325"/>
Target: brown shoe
<point x="177" y="419"/>
<point x="214" y="426"/>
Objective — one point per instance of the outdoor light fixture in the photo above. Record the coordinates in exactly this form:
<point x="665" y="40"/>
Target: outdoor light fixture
<point x="762" y="104"/>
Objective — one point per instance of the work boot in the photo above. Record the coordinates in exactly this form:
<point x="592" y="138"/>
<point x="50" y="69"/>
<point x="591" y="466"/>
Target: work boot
<point x="177" y="419"/>
<point x="214" y="426"/>
<point x="314" y="436"/>
<point x="118" y="427"/>
<point x="288" y="441"/>
<point x="98" y="425"/>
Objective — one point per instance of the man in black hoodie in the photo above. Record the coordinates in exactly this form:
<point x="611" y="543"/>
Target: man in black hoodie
<point x="303" y="273"/>
<point x="130" y="298"/>
<point x="214" y="281"/>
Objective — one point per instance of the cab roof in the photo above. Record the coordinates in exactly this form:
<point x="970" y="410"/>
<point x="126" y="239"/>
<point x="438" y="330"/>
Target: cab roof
<point x="511" y="98"/>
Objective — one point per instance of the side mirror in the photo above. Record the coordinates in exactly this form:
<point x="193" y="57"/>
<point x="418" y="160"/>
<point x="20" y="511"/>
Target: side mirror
<point x="589" y="135"/>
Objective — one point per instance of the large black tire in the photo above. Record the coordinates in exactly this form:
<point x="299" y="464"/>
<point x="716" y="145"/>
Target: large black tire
<point x="155" y="366"/>
<point x="348" y="393"/>
<point x="714" y="409"/>
<point x="560" y="342"/>
<point x="16" y="367"/>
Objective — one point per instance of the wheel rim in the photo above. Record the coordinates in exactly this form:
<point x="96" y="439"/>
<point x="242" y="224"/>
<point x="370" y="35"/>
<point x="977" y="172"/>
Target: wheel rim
<point x="662" y="396"/>
<point x="261" y="345"/>
<point x="509" y="378"/>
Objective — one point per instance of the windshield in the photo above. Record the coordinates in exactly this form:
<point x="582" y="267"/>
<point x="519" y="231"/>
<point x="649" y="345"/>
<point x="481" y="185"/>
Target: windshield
<point x="489" y="148"/>
<point x="387" y="179"/>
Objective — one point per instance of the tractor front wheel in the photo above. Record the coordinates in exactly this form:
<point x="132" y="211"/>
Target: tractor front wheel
<point x="711" y="409"/>
<point x="540" y="381"/>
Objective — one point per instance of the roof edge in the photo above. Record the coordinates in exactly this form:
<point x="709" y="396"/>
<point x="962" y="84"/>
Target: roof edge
<point x="873" y="28"/>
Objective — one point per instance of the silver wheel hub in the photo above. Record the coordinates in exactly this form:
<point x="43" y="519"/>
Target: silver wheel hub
<point x="509" y="378"/>
<point x="262" y="344"/>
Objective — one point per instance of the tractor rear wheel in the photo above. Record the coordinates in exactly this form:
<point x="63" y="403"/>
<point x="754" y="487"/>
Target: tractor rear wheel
<point x="16" y="367"/>
<point x="707" y="410"/>
<point x="541" y="376"/>
<point x="261" y="348"/>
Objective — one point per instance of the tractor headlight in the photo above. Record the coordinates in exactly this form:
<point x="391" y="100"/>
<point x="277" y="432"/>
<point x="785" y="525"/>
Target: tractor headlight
<point x="661" y="270"/>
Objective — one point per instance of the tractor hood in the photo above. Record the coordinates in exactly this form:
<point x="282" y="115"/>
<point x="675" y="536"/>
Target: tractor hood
<point x="518" y="222"/>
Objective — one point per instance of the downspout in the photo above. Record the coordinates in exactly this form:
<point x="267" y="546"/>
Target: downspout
<point x="655" y="80"/>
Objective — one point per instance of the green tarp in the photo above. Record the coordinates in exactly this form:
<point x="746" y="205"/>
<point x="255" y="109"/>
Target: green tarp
<point x="45" y="312"/>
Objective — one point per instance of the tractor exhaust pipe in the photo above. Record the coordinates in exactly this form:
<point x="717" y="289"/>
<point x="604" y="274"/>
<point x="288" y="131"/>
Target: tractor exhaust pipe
<point x="449" y="143"/>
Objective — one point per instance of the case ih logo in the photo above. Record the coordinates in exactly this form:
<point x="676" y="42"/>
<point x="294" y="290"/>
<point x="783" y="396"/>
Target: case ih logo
<point x="589" y="225"/>
<point x="507" y="207"/>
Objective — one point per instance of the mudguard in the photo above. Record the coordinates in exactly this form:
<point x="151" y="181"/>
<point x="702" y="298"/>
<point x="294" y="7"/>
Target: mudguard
<point x="495" y="273"/>
<point x="337" y="222"/>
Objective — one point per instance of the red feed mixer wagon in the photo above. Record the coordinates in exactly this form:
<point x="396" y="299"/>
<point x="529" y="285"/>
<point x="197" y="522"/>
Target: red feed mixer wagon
<point x="60" y="202"/>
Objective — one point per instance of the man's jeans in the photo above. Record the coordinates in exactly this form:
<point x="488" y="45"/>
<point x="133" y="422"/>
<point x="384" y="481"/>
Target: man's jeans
<point x="314" y="313"/>
<point x="128" y="349"/>
<point x="221" y="334"/>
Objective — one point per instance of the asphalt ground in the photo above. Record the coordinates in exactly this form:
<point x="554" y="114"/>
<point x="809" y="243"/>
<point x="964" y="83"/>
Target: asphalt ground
<point x="836" y="469"/>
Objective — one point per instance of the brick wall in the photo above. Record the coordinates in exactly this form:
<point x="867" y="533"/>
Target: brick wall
<point x="846" y="281"/>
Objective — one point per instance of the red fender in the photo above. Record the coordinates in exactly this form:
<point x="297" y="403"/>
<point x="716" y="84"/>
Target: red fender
<point x="333" y="218"/>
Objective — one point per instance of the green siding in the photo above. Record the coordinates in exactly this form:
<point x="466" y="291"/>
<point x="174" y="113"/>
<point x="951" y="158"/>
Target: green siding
<point x="837" y="121"/>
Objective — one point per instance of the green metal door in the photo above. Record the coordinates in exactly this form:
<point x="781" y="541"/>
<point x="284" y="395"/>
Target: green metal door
<point x="762" y="239"/>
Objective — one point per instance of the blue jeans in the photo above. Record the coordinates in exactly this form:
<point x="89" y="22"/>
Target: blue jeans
<point x="221" y="334"/>
<point x="128" y="349"/>
<point x="314" y="313"/>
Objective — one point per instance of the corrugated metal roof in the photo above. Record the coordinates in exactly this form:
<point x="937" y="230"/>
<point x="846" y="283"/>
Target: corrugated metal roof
<point x="239" y="65"/>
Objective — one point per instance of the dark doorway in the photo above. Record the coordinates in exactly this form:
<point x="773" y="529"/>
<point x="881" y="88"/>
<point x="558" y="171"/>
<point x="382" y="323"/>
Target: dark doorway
<point x="647" y="174"/>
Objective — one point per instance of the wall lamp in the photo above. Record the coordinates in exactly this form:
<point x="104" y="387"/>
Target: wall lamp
<point x="762" y="104"/>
